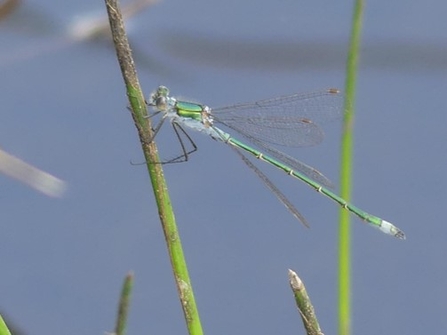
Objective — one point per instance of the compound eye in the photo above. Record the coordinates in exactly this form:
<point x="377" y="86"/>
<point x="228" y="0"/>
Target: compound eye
<point x="163" y="91"/>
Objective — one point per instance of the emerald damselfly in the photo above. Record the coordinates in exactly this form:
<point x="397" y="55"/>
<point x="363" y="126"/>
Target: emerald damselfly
<point x="285" y="120"/>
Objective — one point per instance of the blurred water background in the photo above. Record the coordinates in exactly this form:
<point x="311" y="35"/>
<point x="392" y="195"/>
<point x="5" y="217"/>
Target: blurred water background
<point x="64" y="110"/>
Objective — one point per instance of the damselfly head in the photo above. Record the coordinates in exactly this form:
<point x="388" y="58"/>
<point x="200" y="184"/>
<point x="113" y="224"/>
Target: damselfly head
<point x="162" y="91"/>
<point x="159" y="99"/>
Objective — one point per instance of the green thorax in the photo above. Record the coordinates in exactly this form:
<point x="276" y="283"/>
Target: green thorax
<point x="189" y="110"/>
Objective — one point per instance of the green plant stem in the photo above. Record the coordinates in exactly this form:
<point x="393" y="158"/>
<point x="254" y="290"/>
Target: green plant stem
<point x="304" y="305"/>
<point x="344" y="274"/>
<point x="123" y="307"/>
<point x="3" y="328"/>
<point x="142" y="123"/>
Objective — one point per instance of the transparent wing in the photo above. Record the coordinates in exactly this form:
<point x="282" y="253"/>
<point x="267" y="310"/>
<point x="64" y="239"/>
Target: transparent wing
<point x="287" y="120"/>
<point x="281" y="197"/>
<point x="293" y="163"/>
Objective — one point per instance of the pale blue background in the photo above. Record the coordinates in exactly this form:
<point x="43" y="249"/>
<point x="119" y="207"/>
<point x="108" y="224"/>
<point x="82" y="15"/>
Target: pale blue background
<point x="64" y="110"/>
